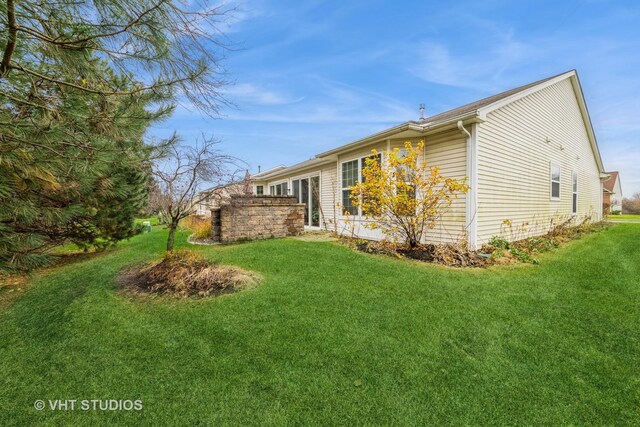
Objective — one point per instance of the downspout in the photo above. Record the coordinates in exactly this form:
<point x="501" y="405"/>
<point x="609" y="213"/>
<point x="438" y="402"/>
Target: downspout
<point x="471" y="210"/>
<point x="462" y="128"/>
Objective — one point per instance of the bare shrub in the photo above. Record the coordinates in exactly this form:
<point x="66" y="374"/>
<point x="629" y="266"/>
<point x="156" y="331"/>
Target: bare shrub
<point x="631" y="205"/>
<point x="187" y="274"/>
<point x="525" y="250"/>
<point x="458" y="255"/>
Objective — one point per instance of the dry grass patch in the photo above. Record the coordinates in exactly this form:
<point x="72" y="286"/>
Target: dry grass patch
<point x="187" y="274"/>
<point x="199" y="225"/>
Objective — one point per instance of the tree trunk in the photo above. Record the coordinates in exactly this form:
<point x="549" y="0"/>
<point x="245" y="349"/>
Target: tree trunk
<point x="11" y="38"/>
<point x="172" y="236"/>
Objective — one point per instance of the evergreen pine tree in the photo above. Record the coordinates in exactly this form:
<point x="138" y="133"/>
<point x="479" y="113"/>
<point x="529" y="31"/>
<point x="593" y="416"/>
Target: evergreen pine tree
<point x="80" y="84"/>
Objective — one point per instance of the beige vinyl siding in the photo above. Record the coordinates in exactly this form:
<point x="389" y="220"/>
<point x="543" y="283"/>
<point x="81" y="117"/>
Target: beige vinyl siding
<point x="448" y="151"/>
<point x="516" y="146"/>
<point x="328" y="196"/>
<point x="445" y="150"/>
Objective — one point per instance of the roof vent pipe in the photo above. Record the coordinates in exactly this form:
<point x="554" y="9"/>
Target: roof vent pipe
<point x="421" y="111"/>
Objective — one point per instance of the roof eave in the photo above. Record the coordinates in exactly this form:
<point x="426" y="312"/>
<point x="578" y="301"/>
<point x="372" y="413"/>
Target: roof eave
<point x="587" y="118"/>
<point x="291" y="169"/>
<point x="376" y="136"/>
<point x="268" y="171"/>
<point x="575" y="81"/>
<point x="420" y="129"/>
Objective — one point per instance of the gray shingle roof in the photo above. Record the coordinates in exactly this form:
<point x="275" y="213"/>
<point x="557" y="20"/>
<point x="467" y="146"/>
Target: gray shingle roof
<point x="428" y="121"/>
<point x="476" y="105"/>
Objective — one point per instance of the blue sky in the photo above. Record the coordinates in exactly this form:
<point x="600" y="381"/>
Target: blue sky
<point x="312" y="75"/>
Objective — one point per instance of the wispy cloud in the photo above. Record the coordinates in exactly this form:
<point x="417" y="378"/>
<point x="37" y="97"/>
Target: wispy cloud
<point x="253" y="94"/>
<point x="311" y="76"/>
<point x="479" y="69"/>
<point x="326" y="101"/>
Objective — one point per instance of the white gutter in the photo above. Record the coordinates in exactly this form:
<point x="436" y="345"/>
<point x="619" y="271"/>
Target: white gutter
<point x="420" y="128"/>
<point x="375" y="136"/>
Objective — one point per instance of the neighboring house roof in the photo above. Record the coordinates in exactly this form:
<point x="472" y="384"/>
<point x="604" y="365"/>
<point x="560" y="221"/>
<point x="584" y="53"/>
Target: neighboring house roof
<point x="610" y="183"/>
<point x="220" y="187"/>
<point x="473" y="112"/>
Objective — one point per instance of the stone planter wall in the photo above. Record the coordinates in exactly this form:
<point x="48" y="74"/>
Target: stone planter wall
<point x="250" y="217"/>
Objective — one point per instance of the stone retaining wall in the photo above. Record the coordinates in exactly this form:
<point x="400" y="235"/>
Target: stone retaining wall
<point x="250" y="217"/>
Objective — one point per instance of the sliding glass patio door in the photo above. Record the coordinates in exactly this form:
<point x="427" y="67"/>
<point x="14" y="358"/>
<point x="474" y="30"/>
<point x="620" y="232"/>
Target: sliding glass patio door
<point x="307" y="191"/>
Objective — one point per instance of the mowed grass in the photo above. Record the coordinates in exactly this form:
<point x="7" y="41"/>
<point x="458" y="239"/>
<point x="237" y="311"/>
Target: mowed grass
<point x="624" y="217"/>
<point x="335" y="337"/>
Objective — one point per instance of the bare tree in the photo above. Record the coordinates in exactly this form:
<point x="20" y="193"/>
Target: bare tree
<point x="180" y="175"/>
<point x="631" y="205"/>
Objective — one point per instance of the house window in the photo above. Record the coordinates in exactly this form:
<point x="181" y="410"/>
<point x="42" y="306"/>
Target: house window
<point x="296" y="189"/>
<point x="279" y="189"/>
<point x="259" y="190"/>
<point x="363" y="164"/>
<point x="405" y="175"/>
<point x="350" y="174"/>
<point x="574" y="193"/>
<point x="555" y="181"/>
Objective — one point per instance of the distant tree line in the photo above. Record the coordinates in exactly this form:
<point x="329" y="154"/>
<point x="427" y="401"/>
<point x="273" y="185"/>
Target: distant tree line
<point x="631" y="205"/>
<point x="80" y="84"/>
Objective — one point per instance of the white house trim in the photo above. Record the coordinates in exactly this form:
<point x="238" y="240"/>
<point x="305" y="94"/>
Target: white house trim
<point x="471" y="214"/>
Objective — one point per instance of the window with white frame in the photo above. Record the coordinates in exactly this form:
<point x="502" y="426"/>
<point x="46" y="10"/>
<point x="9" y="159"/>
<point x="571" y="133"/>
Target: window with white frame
<point x="574" y="193"/>
<point x="352" y="174"/>
<point x="363" y="164"/>
<point x="259" y="190"/>
<point x="555" y="181"/>
<point x="406" y="174"/>
<point x="279" y="189"/>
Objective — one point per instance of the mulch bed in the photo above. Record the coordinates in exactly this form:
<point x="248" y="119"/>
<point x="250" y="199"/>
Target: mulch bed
<point x="459" y="255"/>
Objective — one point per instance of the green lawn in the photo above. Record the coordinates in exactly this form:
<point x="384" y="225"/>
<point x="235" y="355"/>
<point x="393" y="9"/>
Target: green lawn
<point x="623" y="217"/>
<point x="335" y="337"/>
